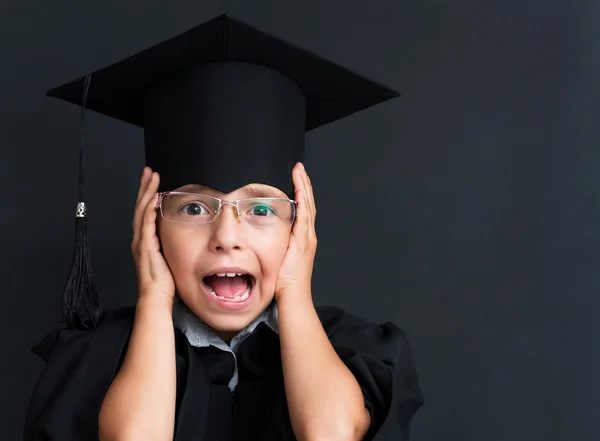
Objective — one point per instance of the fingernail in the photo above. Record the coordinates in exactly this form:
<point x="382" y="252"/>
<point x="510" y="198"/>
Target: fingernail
<point x="302" y="166"/>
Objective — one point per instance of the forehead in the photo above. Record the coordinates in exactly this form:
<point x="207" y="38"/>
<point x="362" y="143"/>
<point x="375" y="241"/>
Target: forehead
<point x="254" y="190"/>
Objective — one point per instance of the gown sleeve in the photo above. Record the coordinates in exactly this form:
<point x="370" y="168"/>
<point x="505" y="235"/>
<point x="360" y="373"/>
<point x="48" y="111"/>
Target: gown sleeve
<point x="380" y="358"/>
<point x="79" y="368"/>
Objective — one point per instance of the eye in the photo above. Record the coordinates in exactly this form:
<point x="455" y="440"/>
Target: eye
<point x="261" y="210"/>
<point x="193" y="209"/>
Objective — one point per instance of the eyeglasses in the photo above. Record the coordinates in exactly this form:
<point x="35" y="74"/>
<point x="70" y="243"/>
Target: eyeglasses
<point x="194" y="208"/>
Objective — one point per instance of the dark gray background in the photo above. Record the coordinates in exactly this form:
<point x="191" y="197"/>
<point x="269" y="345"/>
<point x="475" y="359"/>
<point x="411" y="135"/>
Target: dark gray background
<point x="466" y="211"/>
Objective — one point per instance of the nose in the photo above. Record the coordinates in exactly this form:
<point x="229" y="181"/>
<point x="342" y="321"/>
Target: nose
<point x="228" y="232"/>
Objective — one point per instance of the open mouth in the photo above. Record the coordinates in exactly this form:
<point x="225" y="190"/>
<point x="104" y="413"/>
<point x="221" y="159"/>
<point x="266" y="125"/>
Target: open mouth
<point x="229" y="287"/>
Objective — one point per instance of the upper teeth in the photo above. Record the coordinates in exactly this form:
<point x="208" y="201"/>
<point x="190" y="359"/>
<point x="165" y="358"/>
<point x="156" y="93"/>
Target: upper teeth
<point x="229" y="274"/>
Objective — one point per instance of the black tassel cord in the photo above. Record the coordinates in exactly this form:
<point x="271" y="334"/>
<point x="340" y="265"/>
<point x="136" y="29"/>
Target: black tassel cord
<point x="81" y="305"/>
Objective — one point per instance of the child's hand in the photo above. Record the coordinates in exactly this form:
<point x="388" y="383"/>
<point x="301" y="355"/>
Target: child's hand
<point x="153" y="274"/>
<point x="296" y="270"/>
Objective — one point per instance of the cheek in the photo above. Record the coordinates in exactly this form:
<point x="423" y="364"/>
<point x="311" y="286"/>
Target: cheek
<point x="270" y="250"/>
<point x="181" y="252"/>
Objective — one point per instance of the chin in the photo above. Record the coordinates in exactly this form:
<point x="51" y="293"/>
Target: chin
<point x="230" y="324"/>
<point x="225" y="322"/>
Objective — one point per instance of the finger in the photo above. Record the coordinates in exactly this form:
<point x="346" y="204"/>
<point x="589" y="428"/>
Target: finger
<point x="310" y="194"/>
<point x="309" y="215"/>
<point x="297" y="179"/>
<point x="148" y="241"/>
<point x="146" y="173"/>
<point x="298" y="182"/>
<point x="148" y="230"/>
<point x="149" y="194"/>
<point x="144" y="182"/>
<point x="306" y="185"/>
<point x="310" y="201"/>
<point x="143" y="205"/>
<point x="307" y="193"/>
<point x="299" y="229"/>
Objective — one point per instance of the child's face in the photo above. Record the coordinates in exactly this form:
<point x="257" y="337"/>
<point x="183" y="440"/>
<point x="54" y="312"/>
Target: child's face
<point x="194" y="251"/>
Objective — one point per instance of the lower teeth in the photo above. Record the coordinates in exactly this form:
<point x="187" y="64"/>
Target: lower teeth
<point x="231" y="299"/>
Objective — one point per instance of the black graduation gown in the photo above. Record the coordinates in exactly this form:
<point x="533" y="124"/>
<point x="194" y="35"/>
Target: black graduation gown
<point x="80" y="366"/>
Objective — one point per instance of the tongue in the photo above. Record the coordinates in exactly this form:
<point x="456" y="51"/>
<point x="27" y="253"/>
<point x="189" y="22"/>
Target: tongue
<point x="228" y="286"/>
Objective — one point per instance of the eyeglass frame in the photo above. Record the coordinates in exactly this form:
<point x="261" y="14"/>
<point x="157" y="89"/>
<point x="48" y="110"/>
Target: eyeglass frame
<point x="222" y="203"/>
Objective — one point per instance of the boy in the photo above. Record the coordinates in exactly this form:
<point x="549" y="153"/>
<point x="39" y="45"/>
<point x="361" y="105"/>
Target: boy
<point x="224" y="342"/>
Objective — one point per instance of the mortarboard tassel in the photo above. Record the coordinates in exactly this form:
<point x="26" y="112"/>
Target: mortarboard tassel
<point x="81" y="304"/>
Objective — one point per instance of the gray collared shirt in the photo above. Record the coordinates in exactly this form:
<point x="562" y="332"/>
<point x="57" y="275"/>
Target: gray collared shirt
<point x="200" y="335"/>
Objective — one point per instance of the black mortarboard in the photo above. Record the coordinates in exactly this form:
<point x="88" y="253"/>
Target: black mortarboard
<point x="222" y="105"/>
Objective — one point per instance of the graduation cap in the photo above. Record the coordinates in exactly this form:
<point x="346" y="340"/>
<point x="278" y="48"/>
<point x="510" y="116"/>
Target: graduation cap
<point x="222" y="105"/>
